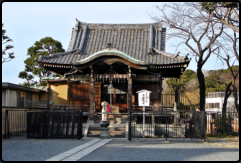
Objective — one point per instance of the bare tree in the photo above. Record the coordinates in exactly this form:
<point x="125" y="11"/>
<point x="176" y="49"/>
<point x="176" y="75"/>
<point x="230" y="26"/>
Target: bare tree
<point x="225" y="12"/>
<point x="205" y="73"/>
<point x="190" y="86"/>
<point x="228" y="45"/>
<point x="234" y="76"/>
<point x="198" y="31"/>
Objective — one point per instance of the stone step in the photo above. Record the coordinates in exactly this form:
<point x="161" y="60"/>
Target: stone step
<point x="111" y="129"/>
<point x="117" y="122"/>
<point x="111" y="125"/>
<point x="112" y="121"/>
<point x="117" y="116"/>
<point x="117" y="129"/>
<point x="118" y="119"/>
<point x="117" y="134"/>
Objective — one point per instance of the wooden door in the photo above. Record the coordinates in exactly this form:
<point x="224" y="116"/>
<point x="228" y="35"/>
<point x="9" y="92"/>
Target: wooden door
<point x="97" y="96"/>
<point x="79" y="94"/>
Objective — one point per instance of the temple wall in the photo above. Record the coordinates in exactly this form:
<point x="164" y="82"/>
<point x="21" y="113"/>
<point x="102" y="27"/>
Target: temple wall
<point x="59" y="93"/>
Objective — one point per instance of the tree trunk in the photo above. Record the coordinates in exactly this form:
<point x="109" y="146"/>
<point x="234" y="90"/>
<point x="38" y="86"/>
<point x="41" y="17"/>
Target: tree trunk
<point x="224" y="108"/>
<point x="202" y="88"/>
<point x="236" y="99"/>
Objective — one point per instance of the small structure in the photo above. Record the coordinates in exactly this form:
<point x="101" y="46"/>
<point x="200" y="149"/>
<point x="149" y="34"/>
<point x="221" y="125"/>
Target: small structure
<point x="104" y="122"/>
<point x="14" y="95"/>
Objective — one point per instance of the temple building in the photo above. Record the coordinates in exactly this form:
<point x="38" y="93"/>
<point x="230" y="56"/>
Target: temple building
<point x="111" y="62"/>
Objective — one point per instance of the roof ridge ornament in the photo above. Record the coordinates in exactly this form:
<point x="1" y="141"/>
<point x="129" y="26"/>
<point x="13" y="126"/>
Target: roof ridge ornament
<point x="186" y="58"/>
<point x="176" y="55"/>
<point x="110" y="46"/>
<point x="151" y="52"/>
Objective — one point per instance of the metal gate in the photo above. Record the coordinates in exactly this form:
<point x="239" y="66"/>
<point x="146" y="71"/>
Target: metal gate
<point x="167" y="124"/>
<point x="54" y="124"/>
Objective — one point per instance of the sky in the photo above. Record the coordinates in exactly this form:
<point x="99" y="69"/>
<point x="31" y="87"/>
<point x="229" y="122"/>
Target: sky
<point x="28" y="22"/>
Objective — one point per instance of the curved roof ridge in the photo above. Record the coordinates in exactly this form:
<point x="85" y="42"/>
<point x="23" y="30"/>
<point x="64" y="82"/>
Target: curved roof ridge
<point x="114" y="52"/>
<point x="80" y="22"/>
<point x="168" y="54"/>
<point x="57" y="54"/>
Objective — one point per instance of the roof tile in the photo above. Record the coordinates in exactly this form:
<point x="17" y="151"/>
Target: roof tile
<point x="132" y="39"/>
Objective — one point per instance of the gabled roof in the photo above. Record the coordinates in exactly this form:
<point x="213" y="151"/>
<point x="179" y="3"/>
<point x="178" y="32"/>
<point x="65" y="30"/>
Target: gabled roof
<point x="142" y="42"/>
<point x="6" y="85"/>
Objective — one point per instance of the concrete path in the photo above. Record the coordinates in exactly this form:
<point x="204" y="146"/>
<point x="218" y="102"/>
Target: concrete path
<point x="80" y="151"/>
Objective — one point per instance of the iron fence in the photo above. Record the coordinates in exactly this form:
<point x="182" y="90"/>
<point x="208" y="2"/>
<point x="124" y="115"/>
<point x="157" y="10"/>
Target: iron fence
<point x="167" y="124"/>
<point x="218" y="123"/>
<point x="71" y="107"/>
<point x="54" y="124"/>
<point x="16" y="122"/>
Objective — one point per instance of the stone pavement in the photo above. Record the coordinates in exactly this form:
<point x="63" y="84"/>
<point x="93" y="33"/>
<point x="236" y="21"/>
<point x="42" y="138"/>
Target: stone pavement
<point x="146" y="149"/>
<point x="139" y="149"/>
<point x="80" y="151"/>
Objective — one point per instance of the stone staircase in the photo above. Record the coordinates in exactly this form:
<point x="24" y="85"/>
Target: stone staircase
<point x="117" y="126"/>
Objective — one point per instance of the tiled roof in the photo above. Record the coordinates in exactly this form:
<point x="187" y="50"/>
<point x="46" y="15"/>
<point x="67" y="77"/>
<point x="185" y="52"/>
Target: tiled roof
<point x="43" y="88"/>
<point x="135" y="40"/>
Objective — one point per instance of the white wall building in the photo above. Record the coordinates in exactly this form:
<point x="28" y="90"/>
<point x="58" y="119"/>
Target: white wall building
<point x="214" y="102"/>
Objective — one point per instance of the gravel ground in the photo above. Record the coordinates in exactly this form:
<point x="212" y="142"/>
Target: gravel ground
<point x="29" y="149"/>
<point x="142" y="149"/>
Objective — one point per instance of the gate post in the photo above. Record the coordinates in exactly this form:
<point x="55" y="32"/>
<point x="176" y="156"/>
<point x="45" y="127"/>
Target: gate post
<point x="80" y="124"/>
<point x="166" y="126"/>
<point x="177" y="98"/>
<point x="129" y="125"/>
<point x="205" y="125"/>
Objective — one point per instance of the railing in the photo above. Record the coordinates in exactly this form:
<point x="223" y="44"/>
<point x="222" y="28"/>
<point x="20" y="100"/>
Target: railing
<point x="167" y="99"/>
<point x="167" y="124"/>
<point x="35" y="104"/>
<point x="217" y="125"/>
<point x="71" y="107"/>
<point x="55" y="124"/>
<point x="15" y="123"/>
<point x="219" y="95"/>
<point x="153" y="108"/>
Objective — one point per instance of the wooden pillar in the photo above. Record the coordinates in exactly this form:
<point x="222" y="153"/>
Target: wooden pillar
<point x="92" y="93"/>
<point x="129" y="103"/>
<point x="48" y="94"/>
<point x="129" y="94"/>
<point x="160" y="89"/>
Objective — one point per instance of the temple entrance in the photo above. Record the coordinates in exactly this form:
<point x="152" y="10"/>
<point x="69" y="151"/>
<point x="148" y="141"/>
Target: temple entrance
<point x="115" y="95"/>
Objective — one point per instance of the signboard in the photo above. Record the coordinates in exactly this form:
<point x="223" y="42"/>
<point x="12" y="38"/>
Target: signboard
<point x="144" y="100"/>
<point x="143" y="97"/>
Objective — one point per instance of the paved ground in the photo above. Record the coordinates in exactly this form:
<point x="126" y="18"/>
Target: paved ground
<point x="29" y="149"/>
<point x="23" y="149"/>
<point x="159" y="150"/>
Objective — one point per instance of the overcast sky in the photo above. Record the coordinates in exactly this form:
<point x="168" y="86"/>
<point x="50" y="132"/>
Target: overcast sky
<point x="27" y="22"/>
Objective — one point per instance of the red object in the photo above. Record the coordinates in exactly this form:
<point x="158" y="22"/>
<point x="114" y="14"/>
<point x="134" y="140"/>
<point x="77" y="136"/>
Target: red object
<point x="108" y="108"/>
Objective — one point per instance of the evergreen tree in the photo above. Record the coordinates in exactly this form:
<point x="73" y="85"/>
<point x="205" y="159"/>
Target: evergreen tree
<point x="45" y="46"/>
<point x="6" y="39"/>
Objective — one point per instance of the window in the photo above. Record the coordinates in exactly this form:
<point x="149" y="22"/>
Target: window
<point x="212" y="105"/>
<point x="20" y="99"/>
